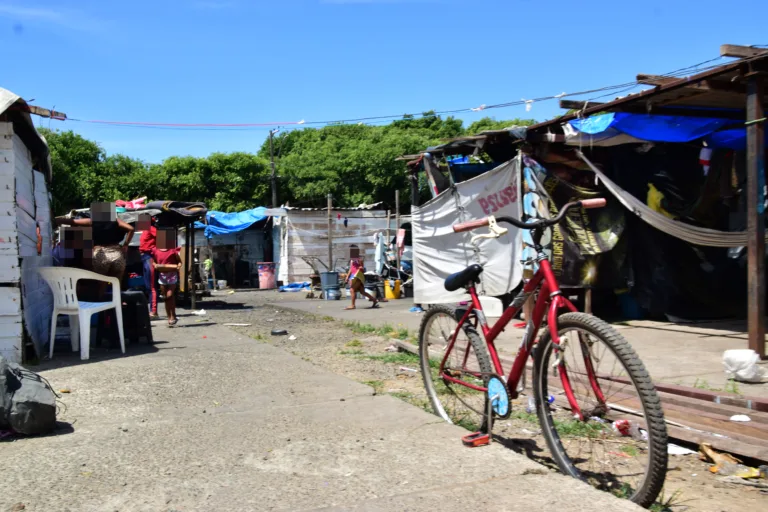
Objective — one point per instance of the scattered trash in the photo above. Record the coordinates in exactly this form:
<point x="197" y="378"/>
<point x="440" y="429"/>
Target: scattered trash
<point x="292" y="337"/>
<point x="674" y="449"/>
<point x="279" y="332"/>
<point x="740" y="417"/>
<point x="65" y="390"/>
<point x="237" y="325"/>
<point x="416" y="309"/>
<point x="406" y="369"/>
<point x="270" y="319"/>
<point x="741" y="481"/>
<point x="18" y="507"/>
<point x="725" y="464"/>
<point x="231" y="292"/>
<point x="631" y="429"/>
<point x="530" y="408"/>
<point x="204" y="337"/>
<point x="391" y="348"/>
<point x="763" y="471"/>
<point x="742" y="365"/>
<point x="200" y="312"/>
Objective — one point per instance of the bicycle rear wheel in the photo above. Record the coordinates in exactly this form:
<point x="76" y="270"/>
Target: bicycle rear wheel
<point x="468" y="362"/>
<point x="621" y="444"/>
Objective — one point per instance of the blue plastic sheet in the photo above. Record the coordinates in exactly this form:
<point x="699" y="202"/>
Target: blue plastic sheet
<point x="220" y="223"/>
<point x="294" y="287"/>
<point x="653" y="128"/>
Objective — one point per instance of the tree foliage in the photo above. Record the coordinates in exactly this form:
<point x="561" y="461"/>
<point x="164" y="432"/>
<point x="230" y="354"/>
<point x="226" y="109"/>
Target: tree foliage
<point x="356" y="163"/>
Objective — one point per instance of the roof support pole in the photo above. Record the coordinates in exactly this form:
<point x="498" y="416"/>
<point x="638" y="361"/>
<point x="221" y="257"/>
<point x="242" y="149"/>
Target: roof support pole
<point x="756" y="213"/>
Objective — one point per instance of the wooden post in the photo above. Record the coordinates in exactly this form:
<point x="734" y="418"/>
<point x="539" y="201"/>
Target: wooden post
<point x="330" y="234"/>
<point x="588" y="301"/>
<point x="210" y="252"/>
<point x="756" y="214"/>
<point x="397" y="229"/>
<point x="192" y="266"/>
<point x="414" y="187"/>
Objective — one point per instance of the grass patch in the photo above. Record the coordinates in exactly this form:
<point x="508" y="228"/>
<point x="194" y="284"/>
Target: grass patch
<point x="668" y="503"/>
<point x="377" y="385"/>
<point x="630" y="450"/>
<point x="395" y="358"/>
<point x="525" y="416"/>
<point x="731" y="386"/>
<point x="258" y="337"/>
<point x="354" y="343"/>
<point x="575" y="428"/>
<point x="327" y="318"/>
<point x="386" y="330"/>
<point x="703" y="384"/>
<point x="356" y="352"/>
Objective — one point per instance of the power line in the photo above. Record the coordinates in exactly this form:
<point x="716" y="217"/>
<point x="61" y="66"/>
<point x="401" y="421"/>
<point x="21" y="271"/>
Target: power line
<point x="372" y="120"/>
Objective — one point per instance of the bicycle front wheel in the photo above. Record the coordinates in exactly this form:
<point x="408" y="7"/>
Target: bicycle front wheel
<point x="620" y="445"/>
<point x="468" y="363"/>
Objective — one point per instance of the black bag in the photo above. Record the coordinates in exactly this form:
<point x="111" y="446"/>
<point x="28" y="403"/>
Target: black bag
<point x="5" y="395"/>
<point x="31" y="406"/>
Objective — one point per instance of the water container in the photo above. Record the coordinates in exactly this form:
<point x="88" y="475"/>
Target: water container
<point x="222" y="284"/>
<point x="329" y="279"/>
<point x="332" y="293"/>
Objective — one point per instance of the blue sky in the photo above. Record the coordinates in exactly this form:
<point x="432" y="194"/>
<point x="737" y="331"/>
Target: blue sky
<point x="238" y="61"/>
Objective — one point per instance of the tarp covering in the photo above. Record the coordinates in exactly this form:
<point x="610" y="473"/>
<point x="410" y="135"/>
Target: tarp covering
<point x="220" y="223"/>
<point x="439" y="252"/>
<point x="620" y="128"/>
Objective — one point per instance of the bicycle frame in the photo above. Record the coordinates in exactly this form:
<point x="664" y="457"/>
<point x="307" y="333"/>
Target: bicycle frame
<point x="550" y="301"/>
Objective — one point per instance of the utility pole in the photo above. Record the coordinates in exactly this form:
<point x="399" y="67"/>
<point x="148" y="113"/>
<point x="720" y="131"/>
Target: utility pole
<point x="330" y="234"/>
<point x="397" y="230"/>
<point x="274" y="175"/>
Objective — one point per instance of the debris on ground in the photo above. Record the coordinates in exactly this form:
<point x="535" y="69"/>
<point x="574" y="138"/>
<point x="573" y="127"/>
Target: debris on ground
<point x="674" y="449"/>
<point x="725" y="464"/>
<point x="416" y="309"/>
<point x="200" y="312"/>
<point x="237" y="325"/>
<point x="740" y="417"/>
<point x="741" y="481"/>
<point x="392" y="348"/>
<point x="292" y="337"/>
<point x="65" y="390"/>
<point x="279" y="332"/>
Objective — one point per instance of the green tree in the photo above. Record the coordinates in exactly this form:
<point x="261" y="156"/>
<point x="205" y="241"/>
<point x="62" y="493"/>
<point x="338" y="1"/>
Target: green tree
<point x="490" y="123"/>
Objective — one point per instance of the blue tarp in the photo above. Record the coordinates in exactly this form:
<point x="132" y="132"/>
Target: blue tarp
<point x="220" y="223"/>
<point x="716" y="132"/>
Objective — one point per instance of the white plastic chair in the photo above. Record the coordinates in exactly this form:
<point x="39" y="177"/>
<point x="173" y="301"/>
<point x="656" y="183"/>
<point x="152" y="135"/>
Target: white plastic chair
<point x="63" y="283"/>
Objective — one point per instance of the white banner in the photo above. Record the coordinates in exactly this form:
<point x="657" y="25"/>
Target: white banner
<point x="439" y="252"/>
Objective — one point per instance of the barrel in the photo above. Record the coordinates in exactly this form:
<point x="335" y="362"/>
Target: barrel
<point x="266" y="275"/>
<point x="332" y="293"/>
<point x="329" y="279"/>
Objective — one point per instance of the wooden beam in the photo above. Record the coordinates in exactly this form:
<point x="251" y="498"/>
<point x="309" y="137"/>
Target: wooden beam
<point x="702" y="86"/>
<point x="756" y="214"/>
<point x="39" y="111"/>
<point x="655" y="80"/>
<point x="741" y="52"/>
<point x="578" y="105"/>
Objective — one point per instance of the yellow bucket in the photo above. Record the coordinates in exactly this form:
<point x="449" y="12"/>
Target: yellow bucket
<point x="391" y="292"/>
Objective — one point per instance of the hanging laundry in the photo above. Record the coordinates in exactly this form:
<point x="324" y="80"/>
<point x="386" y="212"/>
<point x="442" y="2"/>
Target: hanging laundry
<point x="133" y="204"/>
<point x="705" y="155"/>
<point x="338" y="216"/>
<point x="345" y="221"/>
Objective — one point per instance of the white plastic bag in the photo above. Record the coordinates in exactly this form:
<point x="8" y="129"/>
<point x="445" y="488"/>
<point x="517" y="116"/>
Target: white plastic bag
<point x="742" y="365"/>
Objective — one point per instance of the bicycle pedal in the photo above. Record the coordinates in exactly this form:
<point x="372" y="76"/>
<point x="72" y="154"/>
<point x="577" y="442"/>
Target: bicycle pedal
<point x="476" y="439"/>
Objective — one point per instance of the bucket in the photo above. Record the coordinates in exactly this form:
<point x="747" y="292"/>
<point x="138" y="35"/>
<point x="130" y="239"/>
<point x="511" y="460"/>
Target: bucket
<point x="329" y="279"/>
<point x="210" y="283"/>
<point x="332" y="293"/>
<point x="266" y="275"/>
<point x="392" y="288"/>
<point x="222" y="284"/>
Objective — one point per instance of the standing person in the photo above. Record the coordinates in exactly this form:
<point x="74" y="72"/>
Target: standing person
<point x="168" y="263"/>
<point x="357" y="284"/>
<point x="110" y="237"/>
<point x="147" y="245"/>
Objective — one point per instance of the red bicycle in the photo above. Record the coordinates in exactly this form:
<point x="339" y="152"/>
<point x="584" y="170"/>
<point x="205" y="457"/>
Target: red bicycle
<point x="596" y="404"/>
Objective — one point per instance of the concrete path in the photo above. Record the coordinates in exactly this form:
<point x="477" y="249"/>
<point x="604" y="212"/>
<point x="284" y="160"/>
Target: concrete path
<point x="210" y="420"/>
<point x="685" y="354"/>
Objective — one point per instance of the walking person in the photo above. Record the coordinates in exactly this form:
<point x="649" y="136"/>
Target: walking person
<point x="357" y="284"/>
<point x="147" y="244"/>
<point x="168" y="263"/>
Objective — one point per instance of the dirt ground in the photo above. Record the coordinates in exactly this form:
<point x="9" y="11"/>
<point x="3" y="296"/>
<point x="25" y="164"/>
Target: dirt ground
<point x="360" y="352"/>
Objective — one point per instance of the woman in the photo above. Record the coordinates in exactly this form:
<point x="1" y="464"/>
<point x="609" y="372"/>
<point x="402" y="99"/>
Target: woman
<point x="357" y="284"/>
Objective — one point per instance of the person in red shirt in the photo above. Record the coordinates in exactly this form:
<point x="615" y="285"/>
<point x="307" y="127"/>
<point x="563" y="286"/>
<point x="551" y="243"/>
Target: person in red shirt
<point x="147" y="244"/>
<point x="167" y="263"/>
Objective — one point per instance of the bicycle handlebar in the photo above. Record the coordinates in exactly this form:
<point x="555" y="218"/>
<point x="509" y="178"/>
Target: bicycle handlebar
<point x="474" y="224"/>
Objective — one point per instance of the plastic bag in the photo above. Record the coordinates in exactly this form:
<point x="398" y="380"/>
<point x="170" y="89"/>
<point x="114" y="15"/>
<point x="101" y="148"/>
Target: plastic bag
<point x="741" y="365"/>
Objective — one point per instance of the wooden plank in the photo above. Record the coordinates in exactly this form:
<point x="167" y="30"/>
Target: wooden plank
<point x="9" y="269"/>
<point x="741" y="52"/>
<point x="10" y="301"/>
<point x="578" y="105"/>
<point x="756" y="215"/>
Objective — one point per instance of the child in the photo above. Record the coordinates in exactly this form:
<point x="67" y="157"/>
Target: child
<point x="167" y="263"/>
<point x="357" y="284"/>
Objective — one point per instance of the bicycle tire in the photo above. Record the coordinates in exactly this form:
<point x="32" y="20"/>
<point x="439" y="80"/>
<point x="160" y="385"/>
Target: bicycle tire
<point x="645" y="494"/>
<point x="478" y="348"/>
